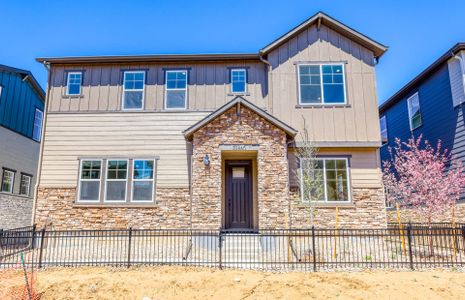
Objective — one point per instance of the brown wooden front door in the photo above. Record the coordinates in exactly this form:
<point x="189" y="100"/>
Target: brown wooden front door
<point x="238" y="191"/>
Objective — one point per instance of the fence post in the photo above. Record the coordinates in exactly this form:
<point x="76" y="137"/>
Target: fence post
<point x="33" y="236"/>
<point x="220" y="246"/>
<point x="313" y="248"/>
<point x="409" y="238"/>
<point x="42" y="237"/>
<point x="129" y="247"/>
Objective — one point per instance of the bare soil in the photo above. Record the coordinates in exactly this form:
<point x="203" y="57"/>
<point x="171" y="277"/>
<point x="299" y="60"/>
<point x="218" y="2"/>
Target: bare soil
<point x="203" y="283"/>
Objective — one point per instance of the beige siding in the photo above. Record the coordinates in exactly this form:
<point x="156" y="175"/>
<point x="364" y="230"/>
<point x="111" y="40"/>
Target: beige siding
<point x="208" y="87"/>
<point x="364" y="166"/>
<point x="131" y="135"/>
<point x="355" y="122"/>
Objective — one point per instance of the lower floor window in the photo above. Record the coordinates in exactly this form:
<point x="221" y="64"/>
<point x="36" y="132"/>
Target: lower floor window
<point x="116" y="180"/>
<point x="8" y="180"/>
<point x="25" y="186"/>
<point x="325" y="180"/>
<point x="142" y="180"/>
<point x="89" y="180"/>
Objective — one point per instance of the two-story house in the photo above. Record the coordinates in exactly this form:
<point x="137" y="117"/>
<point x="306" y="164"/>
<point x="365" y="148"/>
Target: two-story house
<point x="430" y="105"/>
<point x="208" y="140"/>
<point x="21" y="115"/>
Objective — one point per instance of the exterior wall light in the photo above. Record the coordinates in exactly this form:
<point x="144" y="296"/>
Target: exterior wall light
<point x="206" y="160"/>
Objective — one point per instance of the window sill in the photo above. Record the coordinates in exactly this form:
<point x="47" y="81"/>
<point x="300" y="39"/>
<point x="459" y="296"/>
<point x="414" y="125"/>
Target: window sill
<point x="323" y="106"/>
<point x="15" y="195"/>
<point x="328" y="205"/>
<point x="115" y="205"/>
<point x="73" y="96"/>
<point x="238" y="94"/>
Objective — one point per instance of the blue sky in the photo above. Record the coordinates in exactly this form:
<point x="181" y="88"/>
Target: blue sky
<point x="417" y="32"/>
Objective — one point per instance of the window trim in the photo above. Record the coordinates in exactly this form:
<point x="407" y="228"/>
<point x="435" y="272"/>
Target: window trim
<point x="381" y="131"/>
<point x="39" y="139"/>
<point x="410" y="113"/>
<point x="133" y="90"/>
<point x="185" y="89"/>
<point x="105" y="200"/>
<point x="349" y="182"/>
<point x="78" y="199"/>
<point x="21" y="184"/>
<point x="231" y="70"/>
<point x="13" y="180"/>
<point x="134" y="180"/>
<point x="321" y="84"/>
<point x="67" y="83"/>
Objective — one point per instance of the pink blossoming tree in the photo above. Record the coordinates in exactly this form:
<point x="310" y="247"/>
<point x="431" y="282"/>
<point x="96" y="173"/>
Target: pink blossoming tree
<point x="423" y="177"/>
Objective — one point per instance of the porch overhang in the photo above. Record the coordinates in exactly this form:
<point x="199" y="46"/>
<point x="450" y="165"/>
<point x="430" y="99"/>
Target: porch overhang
<point x="239" y="101"/>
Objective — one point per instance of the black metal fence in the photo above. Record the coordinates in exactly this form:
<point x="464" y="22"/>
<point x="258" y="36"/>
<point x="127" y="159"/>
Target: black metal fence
<point x="311" y="249"/>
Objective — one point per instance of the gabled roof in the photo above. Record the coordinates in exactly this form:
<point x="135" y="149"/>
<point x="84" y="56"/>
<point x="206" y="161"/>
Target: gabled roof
<point x="322" y="18"/>
<point x="422" y="76"/>
<point x="188" y="133"/>
<point x="319" y="18"/>
<point x="26" y="75"/>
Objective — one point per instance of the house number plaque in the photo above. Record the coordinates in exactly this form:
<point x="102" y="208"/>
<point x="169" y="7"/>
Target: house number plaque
<point x="239" y="147"/>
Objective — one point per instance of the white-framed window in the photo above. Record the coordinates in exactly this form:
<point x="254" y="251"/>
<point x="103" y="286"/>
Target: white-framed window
<point x="8" y="180"/>
<point x="116" y="180"/>
<point x="37" y="127"/>
<point x="1" y="89"/>
<point x="176" y="89"/>
<point x="73" y="83"/>
<point x="384" y="131"/>
<point x="25" y="185"/>
<point x="325" y="180"/>
<point x="414" y="113"/>
<point x="321" y="84"/>
<point x="238" y="81"/>
<point x="89" y="180"/>
<point x="133" y="90"/>
<point x="143" y="174"/>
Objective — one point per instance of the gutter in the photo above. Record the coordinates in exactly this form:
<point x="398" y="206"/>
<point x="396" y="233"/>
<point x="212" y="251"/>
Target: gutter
<point x="41" y="152"/>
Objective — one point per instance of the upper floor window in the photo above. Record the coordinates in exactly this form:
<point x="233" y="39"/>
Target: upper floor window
<point x="176" y="89"/>
<point x="325" y="180"/>
<point x="25" y="186"/>
<point x="133" y="90"/>
<point x="414" y="113"/>
<point x="321" y="84"/>
<point x="73" y="85"/>
<point x="37" y="129"/>
<point x="8" y="180"/>
<point x="238" y="81"/>
<point x="89" y="180"/>
<point x="384" y="132"/>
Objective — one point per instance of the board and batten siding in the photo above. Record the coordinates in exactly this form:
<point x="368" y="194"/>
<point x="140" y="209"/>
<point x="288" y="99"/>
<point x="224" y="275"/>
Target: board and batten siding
<point x="355" y="122"/>
<point x="208" y="86"/>
<point x="364" y="165"/>
<point x="69" y="137"/>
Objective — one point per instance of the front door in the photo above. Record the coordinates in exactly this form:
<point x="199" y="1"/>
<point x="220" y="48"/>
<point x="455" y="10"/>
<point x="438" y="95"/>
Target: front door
<point x="238" y="192"/>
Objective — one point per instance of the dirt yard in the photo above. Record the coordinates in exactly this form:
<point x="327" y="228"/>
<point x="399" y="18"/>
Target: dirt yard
<point x="198" y="283"/>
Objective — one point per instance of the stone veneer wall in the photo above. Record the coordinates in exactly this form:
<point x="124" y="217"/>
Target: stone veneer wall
<point x="15" y="211"/>
<point x="367" y="210"/>
<point x="273" y="173"/>
<point x="410" y="215"/>
<point x="56" y="209"/>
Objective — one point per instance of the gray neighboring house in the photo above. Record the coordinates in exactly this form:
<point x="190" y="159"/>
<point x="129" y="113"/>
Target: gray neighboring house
<point x="21" y="117"/>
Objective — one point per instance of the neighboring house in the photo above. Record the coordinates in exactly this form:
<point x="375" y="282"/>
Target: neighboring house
<point x="207" y="140"/>
<point x="430" y="105"/>
<point x="21" y="115"/>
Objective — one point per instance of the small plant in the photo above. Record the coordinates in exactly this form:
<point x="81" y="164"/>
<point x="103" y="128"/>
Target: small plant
<point x="393" y="256"/>
<point x="368" y="258"/>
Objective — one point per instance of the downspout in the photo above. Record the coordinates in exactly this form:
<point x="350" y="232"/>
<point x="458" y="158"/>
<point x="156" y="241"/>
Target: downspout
<point x="270" y="83"/>
<point x="41" y="152"/>
<point x="462" y="68"/>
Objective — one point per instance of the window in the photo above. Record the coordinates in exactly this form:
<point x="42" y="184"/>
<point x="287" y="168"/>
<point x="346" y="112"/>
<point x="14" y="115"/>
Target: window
<point x="321" y="84"/>
<point x="89" y="181"/>
<point x="1" y="89"/>
<point x="133" y="90"/>
<point x="238" y="81"/>
<point x="142" y="180"/>
<point x="25" y="186"/>
<point x="414" y="113"/>
<point x="326" y="180"/>
<point x="37" y="129"/>
<point x="176" y="89"/>
<point x="384" y="132"/>
<point x="74" y="83"/>
<point x="116" y="181"/>
<point x="8" y="180"/>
